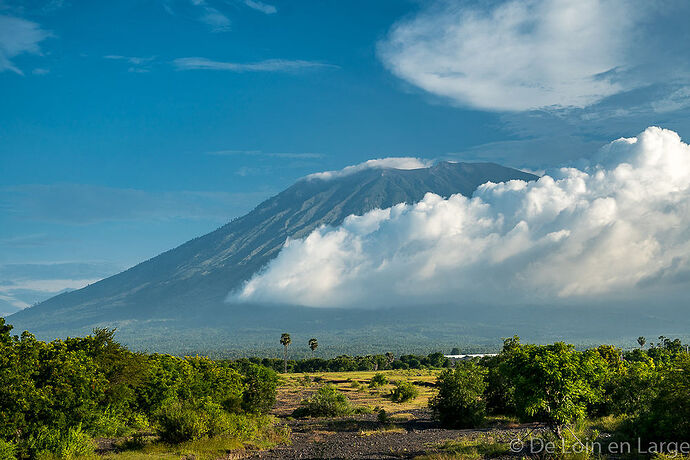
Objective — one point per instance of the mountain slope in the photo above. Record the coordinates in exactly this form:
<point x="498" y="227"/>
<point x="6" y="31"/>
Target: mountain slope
<point x="192" y="280"/>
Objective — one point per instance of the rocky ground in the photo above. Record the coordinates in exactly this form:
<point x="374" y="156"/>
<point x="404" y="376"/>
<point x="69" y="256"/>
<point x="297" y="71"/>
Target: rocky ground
<point x="362" y="437"/>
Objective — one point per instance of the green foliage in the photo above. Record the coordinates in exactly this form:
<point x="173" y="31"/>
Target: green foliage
<point x="60" y="444"/>
<point x="665" y="413"/>
<point x="260" y="385"/>
<point x="552" y="383"/>
<point x="382" y="416"/>
<point x="403" y="392"/>
<point x="460" y="400"/>
<point x="345" y="363"/>
<point x="378" y="380"/>
<point x="7" y="450"/>
<point x="326" y="402"/>
<point x="54" y="396"/>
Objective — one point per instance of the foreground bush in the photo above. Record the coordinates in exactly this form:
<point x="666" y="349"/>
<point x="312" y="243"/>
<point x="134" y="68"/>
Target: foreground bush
<point x="54" y="396"/>
<point x="460" y="399"/>
<point x="326" y="402"/>
<point x="665" y="414"/>
<point x="403" y="392"/>
<point x="7" y="450"/>
<point x="67" y="444"/>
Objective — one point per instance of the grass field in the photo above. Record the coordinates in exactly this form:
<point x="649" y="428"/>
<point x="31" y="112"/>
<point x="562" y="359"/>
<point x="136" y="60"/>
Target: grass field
<point x="355" y="385"/>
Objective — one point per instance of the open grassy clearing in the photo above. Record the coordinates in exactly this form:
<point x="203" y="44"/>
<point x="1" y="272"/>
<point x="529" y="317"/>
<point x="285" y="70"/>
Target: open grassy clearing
<point x="355" y="385"/>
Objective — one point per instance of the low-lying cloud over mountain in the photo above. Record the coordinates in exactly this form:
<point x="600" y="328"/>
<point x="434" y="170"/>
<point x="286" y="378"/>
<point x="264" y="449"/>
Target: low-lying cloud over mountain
<point x="617" y="229"/>
<point x="404" y="163"/>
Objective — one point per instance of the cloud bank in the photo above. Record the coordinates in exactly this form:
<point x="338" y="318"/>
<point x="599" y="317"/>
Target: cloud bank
<point x="615" y="229"/>
<point x="519" y="55"/>
<point x="379" y="163"/>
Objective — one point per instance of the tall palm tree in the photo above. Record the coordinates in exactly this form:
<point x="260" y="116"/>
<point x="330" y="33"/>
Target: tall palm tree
<point x="641" y="341"/>
<point x="285" y="341"/>
<point x="313" y="344"/>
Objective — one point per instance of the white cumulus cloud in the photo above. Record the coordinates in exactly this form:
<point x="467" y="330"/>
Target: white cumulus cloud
<point x="531" y="54"/>
<point x="379" y="163"/>
<point x="616" y="229"/>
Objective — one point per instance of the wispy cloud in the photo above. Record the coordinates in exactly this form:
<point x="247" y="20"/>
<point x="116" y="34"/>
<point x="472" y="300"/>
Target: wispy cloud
<point x="290" y="155"/>
<point x="199" y="10"/>
<point x="268" y="65"/>
<point x="18" y="36"/>
<point x="136" y="64"/>
<point x="217" y="21"/>
<point x="22" y="285"/>
<point x="261" y="6"/>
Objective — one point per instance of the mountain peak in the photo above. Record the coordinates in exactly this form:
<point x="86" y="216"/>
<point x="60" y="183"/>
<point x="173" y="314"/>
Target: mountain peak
<point x="193" y="279"/>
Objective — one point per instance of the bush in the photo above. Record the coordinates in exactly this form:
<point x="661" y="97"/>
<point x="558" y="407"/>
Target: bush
<point x="179" y="422"/>
<point x="327" y="402"/>
<point x="7" y="450"/>
<point x="460" y="400"/>
<point x="260" y="389"/>
<point x="665" y="416"/>
<point x="378" y="380"/>
<point x="67" y="445"/>
<point x="382" y="416"/>
<point x="404" y="391"/>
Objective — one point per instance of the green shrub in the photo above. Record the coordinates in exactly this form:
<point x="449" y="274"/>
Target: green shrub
<point x="378" y="380"/>
<point x="460" y="399"/>
<point x="665" y="415"/>
<point x="179" y="422"/>
<point x="383" y="416"/>
<point x="109" y="423"/>
<point x="7" y="450"/>
<point x="326" y="402"/>
<point x="65" y="445"/>
<point x="259" y="394"/>
<point x="403" y="392"/>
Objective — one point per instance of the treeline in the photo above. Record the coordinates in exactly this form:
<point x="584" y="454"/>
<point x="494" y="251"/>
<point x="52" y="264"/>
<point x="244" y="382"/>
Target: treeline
<point x="647" y="391"/>
<point x="346" y="363"/>
<point x="55" y="396"/>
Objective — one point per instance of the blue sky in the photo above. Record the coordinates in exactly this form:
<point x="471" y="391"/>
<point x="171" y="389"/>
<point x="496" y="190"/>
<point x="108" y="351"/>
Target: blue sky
<point x="129" y="127"/>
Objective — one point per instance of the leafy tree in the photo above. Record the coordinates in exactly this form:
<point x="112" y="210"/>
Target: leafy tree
<point x="460" y="400"/>
<point x="550" y="383"/>
<point x="455" y="351"/>
<point x="665" y="414"/>
<point x="285" y="341"/>
<point x="641" y="341"/>
<point x="313" y="345"/>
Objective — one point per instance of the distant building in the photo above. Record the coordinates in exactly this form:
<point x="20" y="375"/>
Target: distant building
<point x="455" y="358"/>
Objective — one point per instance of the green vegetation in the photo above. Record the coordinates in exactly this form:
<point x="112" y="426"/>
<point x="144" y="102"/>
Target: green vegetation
<point x="403" y="392"/>
<point x="327" y="402"/>
<point x="640" y="393"/>
<point x="56" y="396"/>
<point x="460" y="402"/>
<point x="378" y="380"/>
<point x="345" y="363"/>
<point x="313" y="345"/>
